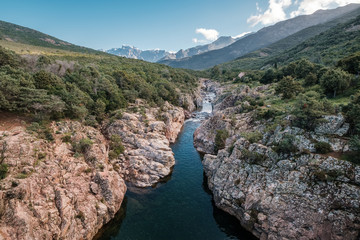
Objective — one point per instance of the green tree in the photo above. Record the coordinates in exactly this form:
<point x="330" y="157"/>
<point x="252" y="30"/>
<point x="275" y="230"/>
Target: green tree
<point x="99" y="109"/>
<point x="309" y="109"/>
<point x="303" y="68"/>
<point x="215" y="72"/>
<point x="311" y="79"/>
<point x="352" y="113"/>
<point x="288" y="87"/>
<point x="335" y="81"/>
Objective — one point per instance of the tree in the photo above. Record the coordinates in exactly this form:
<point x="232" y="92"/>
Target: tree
<point x="48" y="81"/>
<point x="269" y="76"/>
<point x="311" y="79"/>
<point x="352" y="113"/>
<point x="351" y="63"/>
<point x="309" y="109"/>
<point x="288" y="87"/>
<point x="303" y="68"/>
<point x="335" y="80"/>
<point x="215" y="72"/>
<point x="99" y="109"/>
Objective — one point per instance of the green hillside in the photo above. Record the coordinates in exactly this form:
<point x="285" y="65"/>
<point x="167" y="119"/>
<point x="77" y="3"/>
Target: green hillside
<point x="55" y="79"/>
<point x="18" y="34"/>
<point x="323" y="43"/>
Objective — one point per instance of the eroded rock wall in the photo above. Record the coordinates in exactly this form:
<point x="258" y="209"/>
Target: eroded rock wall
<point x="51" y="194"/>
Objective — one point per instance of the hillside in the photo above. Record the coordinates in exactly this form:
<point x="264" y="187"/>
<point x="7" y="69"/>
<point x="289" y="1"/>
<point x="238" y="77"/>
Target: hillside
<point x="14" y="33"/>
<point x="260" y="39"/>
<point x="277" y="52"/>
<point x="59" y="79"/>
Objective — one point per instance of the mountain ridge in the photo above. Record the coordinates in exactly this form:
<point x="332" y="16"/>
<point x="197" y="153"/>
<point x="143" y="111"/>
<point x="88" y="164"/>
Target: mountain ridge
<point x="260" y="39"/>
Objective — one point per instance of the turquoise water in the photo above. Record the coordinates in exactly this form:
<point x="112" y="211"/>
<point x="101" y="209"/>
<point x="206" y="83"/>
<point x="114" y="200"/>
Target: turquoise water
<point x="180" y="208"/>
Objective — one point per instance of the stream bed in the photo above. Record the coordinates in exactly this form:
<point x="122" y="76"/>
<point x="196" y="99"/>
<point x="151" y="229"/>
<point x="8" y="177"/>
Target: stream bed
<point x="180" y="207"/>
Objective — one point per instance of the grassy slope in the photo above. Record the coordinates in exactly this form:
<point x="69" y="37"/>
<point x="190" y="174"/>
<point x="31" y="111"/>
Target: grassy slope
<point x="319" y="44"/>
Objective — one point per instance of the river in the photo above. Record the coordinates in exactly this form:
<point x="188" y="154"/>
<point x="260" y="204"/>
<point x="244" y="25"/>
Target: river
<point x="181" y="207"/>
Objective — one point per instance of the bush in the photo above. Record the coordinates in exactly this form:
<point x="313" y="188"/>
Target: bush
<point x="253" y="157"/>
<point x="288" y="87"/>
<point x="3" y="170"/>
<point x="253" y="137"/>
<point x="323" y="147"/>
<point x="116" y="147"/>
<point x="220" y="138"/>
<point x="309" y="109"/>
<point x="82" y="146"/>
<point x="352" y="114"/>
<point x="335" y="81"/>
<point x="286" y="145"/>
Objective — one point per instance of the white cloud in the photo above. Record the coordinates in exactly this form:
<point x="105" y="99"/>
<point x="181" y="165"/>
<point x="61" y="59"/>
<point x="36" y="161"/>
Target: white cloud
<point x="241" y="34"/>
<point x="311" y="6"/>
<point x="209" y="34"/>
<point x="277" y="9"/>
<point x="275" y="13"/>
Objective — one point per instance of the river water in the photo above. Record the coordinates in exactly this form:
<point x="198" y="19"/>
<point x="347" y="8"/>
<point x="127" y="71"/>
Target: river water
<point x="181" y="207"/>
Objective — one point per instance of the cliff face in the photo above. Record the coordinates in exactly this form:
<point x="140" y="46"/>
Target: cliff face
<point x="275" y="194"/>
<point x="146" y="137"/>
<point x="51" y="194"/>
<point x="68" y="188"/>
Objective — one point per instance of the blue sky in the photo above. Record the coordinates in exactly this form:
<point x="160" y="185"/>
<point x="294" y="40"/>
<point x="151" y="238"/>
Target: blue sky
<point x="149" y="24"/>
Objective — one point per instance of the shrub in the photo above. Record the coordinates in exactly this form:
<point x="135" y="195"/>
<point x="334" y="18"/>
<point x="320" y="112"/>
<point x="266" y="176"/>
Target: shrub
<point x="116" y="147"/>
<point x="220" y="138"/>
<point x="352" y="113"/>
<point x="309" y="109"/>
<point x="82" y="146"/>
<point x="253" y="157"/>
<point x="3" y="170"/>
<point x="66" y="138"/>
<point x="288" y="87"/>
<point x="253" y="137"/>
<point x="286" y="145"/>
<point x="334" y="81"/>
<point x="323" y="147"/>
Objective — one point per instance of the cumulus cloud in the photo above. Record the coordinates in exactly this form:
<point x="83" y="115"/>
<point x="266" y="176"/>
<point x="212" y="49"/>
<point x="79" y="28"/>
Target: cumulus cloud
<point x="277" y="9"/>
<point x="311" y="6"/>
<point x="209" y="34"/>
<point x="275" y="13"/>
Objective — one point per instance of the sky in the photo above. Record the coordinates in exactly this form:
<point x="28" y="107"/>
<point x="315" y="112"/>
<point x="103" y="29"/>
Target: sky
<point x="153" y="24"/>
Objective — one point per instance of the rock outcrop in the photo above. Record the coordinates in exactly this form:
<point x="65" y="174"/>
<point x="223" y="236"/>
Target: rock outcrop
<point x="146" y="137"/>
<point x="53" y="193"/>
<point x="279" y="193"/>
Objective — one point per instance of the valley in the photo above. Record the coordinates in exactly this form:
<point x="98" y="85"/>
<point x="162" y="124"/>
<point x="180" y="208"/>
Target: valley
<point x="255" y="137"/>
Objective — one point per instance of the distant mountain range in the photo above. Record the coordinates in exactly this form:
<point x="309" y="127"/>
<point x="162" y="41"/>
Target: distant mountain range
<point x="160" y="55"/>
<point x="264" y="37"/>
<point x="135" y="53"/>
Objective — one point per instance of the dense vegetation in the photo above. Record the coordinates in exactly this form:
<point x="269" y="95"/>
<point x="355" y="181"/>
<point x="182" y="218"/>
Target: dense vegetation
<point x="306" y="91"/>
<point x="84" y="86"/>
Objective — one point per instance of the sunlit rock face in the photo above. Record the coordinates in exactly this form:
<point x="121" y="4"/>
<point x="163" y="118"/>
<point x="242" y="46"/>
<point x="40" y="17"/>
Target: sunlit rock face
<point x="49" y="192"/>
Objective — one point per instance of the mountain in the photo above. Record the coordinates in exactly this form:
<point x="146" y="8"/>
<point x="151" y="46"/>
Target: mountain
<point x="136" y="53"/>
<point x="221" y="42"/>
<point x="280" y="50"/>
<point x="160" y="55"/>
<point x="264" y="37"/>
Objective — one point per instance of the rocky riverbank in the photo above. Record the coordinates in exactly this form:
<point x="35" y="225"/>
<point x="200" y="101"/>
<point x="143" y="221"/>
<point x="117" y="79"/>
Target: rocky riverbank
<point x="276" y="193"/>
<point x="67" y="181"/>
